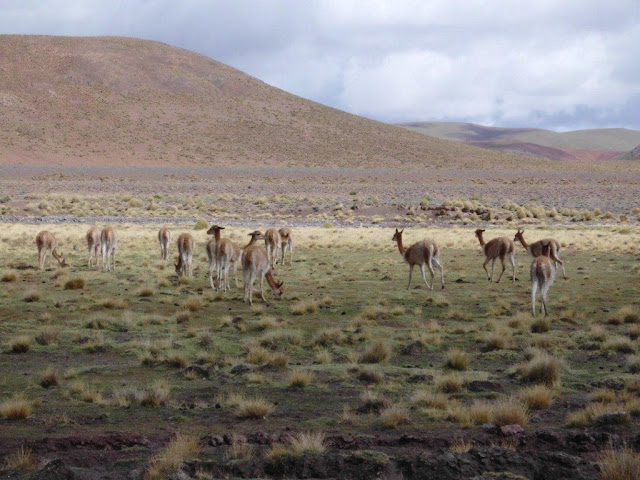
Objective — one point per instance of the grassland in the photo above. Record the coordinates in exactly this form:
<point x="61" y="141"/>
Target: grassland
<point x="138" y="372"/>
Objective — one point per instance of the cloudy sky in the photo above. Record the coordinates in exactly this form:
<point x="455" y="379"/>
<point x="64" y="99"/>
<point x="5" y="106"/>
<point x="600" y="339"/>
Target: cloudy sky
<point x="559" y="64"/>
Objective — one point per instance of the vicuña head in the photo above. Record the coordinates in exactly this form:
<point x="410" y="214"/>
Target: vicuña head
<point x="214" y="229"/>
<point x="479" y="232"/>
<point x="397" y="235"/>
<point x="519" y="236"/>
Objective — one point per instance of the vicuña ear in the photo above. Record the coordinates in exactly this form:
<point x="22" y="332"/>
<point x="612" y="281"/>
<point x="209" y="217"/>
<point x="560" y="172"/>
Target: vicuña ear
<point x="401" y="231"/>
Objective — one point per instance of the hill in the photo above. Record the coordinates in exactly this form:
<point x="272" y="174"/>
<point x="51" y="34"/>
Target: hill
<point x="579" y="145"/>
<point x="632" y="155"/>
<point x="122" y="101"/>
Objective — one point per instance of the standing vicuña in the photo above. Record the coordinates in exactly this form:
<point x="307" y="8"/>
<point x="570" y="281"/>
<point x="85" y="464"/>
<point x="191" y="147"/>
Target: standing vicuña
<point x="256" y="262"/>
<point x="109" y="244"/>
<point x="47" y="243"/>
<point x="501" y="248"/>
<point x="164" y="237"/>
<point x="211" y="255"/>
<point x="224" y="254"/>
<point x="286" y="242"/>
<point x="272" y="242"/>
<point x="425" y="252"/>
<point x="186" y="245"/>
<point x="543" y="274"/>
<point x="535" y="249"/>
<point x="93" y="243"/>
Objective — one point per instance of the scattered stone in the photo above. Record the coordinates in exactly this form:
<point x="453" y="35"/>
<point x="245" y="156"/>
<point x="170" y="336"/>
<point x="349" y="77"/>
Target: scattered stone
<point x="240" y="369"/>
<point x="53" y="470"/>
<point x="511" y="430"/>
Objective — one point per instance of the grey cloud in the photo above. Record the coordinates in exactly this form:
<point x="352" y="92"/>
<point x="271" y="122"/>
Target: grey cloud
<point x="547" y="63"/>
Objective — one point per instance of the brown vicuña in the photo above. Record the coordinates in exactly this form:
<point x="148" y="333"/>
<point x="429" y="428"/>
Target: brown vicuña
<point x="425" y="252"/>
<point x="186" y="246"/>
<point x="501" y="247"/>
<point x="93" y="244"/>
<point x="535" y="249"/>
<point x="543" y="274"/>
<point x="256" y="262"/>
<point x="109" y="245"/>
<point x="272" y="242"/>
<point x="224" y="254"/>
<point x="47" y="243"/>
<point x="286" y="243"/>
<point x="164" y="238"/>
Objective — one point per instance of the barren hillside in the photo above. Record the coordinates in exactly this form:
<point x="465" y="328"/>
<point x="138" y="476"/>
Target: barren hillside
<point x="123" y="101"/>
<point x="592" y="145"/>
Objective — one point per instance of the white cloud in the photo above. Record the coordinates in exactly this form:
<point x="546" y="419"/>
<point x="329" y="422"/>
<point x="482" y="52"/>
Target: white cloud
<point x="548" y="63"/>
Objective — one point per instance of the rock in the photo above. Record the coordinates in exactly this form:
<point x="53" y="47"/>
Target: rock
<point x="549" y="437"/>
<point x="198" y="370"/>
<point x="53" y="470"/>
<point x="240" y="368"/>
<point x="489" y="427"/>
<point x="511" y="430"/>
<point x="216" y="440"/>
<point x="233" y="438"/>
<point x="178" y="476"/>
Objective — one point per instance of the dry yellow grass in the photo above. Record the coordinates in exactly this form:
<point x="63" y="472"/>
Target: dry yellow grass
<point x="394" y="416"/>
<point x="619" y="464"/>
<point x="16" y="408"/>
<point x="170" y="458"/>
<point x="21" y="461"/>
<point x="300" y="378"/>
<point x="509" y="412"/>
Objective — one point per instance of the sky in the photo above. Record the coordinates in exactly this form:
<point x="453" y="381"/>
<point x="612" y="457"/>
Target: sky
<point x="562" y="65"/>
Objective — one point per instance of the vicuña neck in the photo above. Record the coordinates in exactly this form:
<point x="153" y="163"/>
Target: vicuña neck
<point x="481" y="240"/>
<point x="57" y="256"/>
<point x="271" y="281"/>
<point x="400" y="247"/>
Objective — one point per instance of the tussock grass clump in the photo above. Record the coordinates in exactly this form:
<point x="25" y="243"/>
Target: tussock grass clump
<point x="113" y="304"/>
<point x="461" y="446"/>
<point x="193" y="304"/>
<point x="303" y="307"/>
<point x="240" y="451"/>
<point x="541" y="325"/>
<point x="509" y="412"/>
<point x="76" y="283"/>
<point x="369" y="374"/>
<point x="426" y="399"/>
<point x="633" y="363"/>
<point x="449" y="384"/>
<point x="322" y="356"/>
<point x="50" y="378"/>
<point x="620" y="464"/>
<point x="169" y="460"/>
<point x="308" y="442"/>
<point x="377" y="352"/>
<point x="459" y="314"/>
<point x="258" y="355"/>
<point x="626" y="314"/>
<point x="278" y="338"/>
<point x="602" y="395"/>
<point x="598" y="413"/>
<point x="31" y="296"/>
<point x="256" y="408"/>
<point x="299" y="378"/>
<point x="21" y="460"/>
<point x="183" y="317"/>
<point x="495" y="341"/>
<point x="477" y="413"/>
<point x="394" y="416"/>
<point x="145" y="292"/>
<point x="20" y="344"/>
<point x="619" y="344"/>
<point x="328" y="336"/>
<point x="374" y="312"/>
<point x="9" y="276"/>
<point x="542" y="368"/>
<point x="16" y="408"/>
<point x="176" y="360"/>
<point x="47" y="335"/>
<point x="457" y="359"/>
<point x="537" y="397"/>
<point x="155" y="395"/>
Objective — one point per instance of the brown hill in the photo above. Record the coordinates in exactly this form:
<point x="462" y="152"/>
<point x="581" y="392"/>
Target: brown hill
<point x="123" y="101"/>
<point x="594" y="145"/>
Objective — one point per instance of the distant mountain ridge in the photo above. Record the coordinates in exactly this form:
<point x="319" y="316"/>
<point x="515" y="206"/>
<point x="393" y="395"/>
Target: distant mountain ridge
<point x="578" y="145"/>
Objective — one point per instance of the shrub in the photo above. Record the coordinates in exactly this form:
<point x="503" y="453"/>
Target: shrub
<point x="170" y="459"/>
<point x="20" y="344"/>
<point x="377" y="352"/>
<point x="77" y="283"/>
<point x="304" y="306"/>
<point x="16" y="408"/>
<point x="541" y="325"/>
<point x="449" y="384"/>
<point x="394" y="416"/>
<point x="47" y="335"/>
<point x="423" y="398"/>
<point x="633" y="362"/>
<point x="49" y="378"/>
<point x="542" y="368"/>
<point x="457" y="360"/>
<point x="509" y="412"/>
<point x="328" y="336"/>
<point x="308" y="442"/>
<point x="300" y="378"/>
<point x="253" y="408"/>
<point x="621" y="464"/>
<point x="155" y="395"/>
<point x="201" y="224"/>
<point x="537" y="396"/>
<point x="31" y="296"/>
<point x="9" y="276"/>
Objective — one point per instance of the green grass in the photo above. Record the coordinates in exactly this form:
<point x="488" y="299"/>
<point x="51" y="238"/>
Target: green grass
<point x="184" y="364"/>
